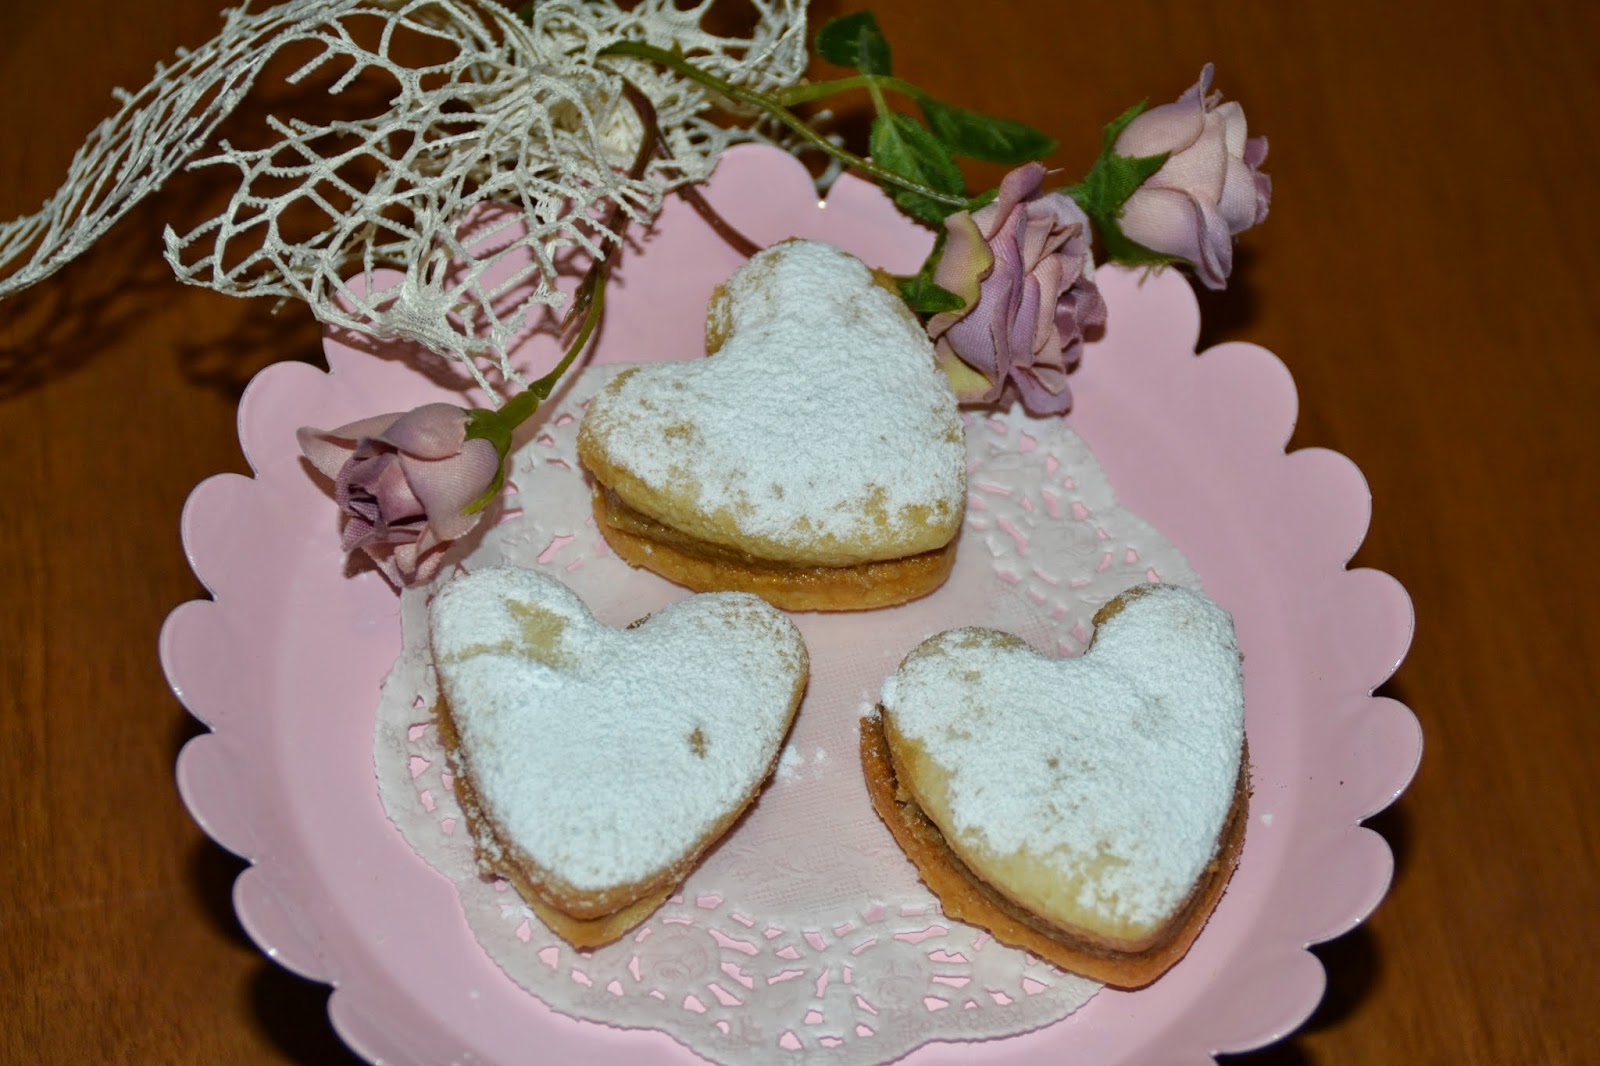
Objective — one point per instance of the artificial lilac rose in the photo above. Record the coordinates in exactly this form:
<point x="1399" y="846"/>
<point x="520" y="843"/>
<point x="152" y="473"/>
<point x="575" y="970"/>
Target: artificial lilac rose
<point x="404" y="482"/>
<point x="1208" y="191"/>
<point x="1022" y="265"/>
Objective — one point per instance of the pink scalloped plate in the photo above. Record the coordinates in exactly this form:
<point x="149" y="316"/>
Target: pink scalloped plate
<point x="284" y="663"/>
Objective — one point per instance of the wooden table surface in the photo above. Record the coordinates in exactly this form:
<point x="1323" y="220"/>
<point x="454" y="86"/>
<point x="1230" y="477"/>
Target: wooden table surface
<point x="1428" y="274"/>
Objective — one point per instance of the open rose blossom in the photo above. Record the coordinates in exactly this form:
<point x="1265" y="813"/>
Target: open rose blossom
<point x="404" y="481"/>
<point x="1210" y="188"/>
<point x="1022" y="265"/>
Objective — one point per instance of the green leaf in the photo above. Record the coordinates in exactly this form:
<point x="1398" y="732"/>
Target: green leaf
<point x="854" y="41"/>
<point x="979" y="136"/>
<point x="1106" y="188"/>
<point x="488" y="425"/>
<point x="489" y="493"/>
<point x="1113" y="179"/>
<point x="926" y="298"/>
<point x="1119" y="248"/>
<point x="902" y="145"/>
<point x="1114" y="128"/>
<point x="983" y="199"/>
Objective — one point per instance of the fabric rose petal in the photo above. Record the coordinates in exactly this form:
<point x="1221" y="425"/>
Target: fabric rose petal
<point x="404" y="482"/>
<point x="1021" y="263"/>
<point x="1210" y="188"/>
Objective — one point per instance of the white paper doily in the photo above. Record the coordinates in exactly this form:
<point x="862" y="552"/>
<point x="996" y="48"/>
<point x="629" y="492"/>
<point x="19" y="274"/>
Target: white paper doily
<point x="805" y="936"/>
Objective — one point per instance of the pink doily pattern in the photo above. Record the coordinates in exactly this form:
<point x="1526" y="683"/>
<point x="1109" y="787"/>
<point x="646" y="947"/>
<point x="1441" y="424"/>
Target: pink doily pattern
<point x="806" y="935"/>
<point x="1193" y="445"/>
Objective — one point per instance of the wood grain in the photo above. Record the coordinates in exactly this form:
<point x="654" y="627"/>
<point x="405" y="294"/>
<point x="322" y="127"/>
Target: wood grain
<point x="1428" y="274"/>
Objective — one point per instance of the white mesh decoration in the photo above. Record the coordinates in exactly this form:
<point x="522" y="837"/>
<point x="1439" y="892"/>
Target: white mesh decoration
<point x="515" y="113"/>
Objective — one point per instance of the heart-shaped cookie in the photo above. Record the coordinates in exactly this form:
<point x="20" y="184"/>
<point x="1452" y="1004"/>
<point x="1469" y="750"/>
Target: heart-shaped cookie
<point x="1089" y="809"/>
<point x="595" y="765"/>
<point x="817" y="454"/>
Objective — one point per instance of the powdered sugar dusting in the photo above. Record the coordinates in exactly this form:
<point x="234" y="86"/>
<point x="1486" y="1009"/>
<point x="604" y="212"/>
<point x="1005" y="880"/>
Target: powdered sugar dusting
<point x="822" y="418"/>
<point x="812" y="855"/>
<point x="1130" y="751"/>
<point x="789" y="763"/>
<point x="607" y="754"/>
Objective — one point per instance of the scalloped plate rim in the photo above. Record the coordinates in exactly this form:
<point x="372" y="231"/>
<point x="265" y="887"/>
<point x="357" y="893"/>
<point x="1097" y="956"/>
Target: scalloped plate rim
<point x="355" y="1006"/>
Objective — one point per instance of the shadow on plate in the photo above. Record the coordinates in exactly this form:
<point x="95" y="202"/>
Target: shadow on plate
<point x="292" y="1014"/>
<point x="1353" y="964"/>
<point x="288" y="1012"/>
<point x="1230" y="314"/>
